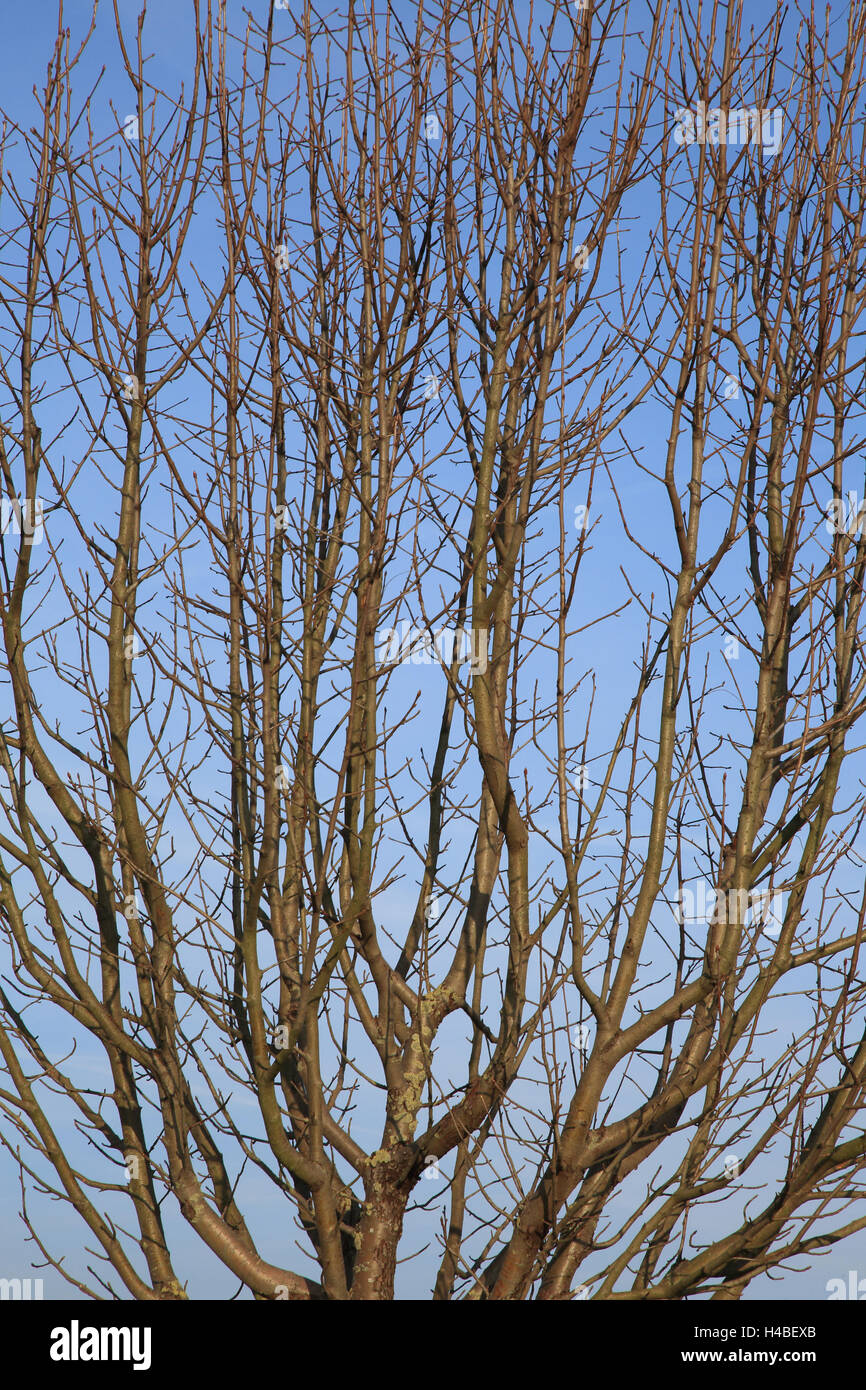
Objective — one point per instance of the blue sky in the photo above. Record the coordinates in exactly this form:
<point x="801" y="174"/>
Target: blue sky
<point x="613" y="569"/>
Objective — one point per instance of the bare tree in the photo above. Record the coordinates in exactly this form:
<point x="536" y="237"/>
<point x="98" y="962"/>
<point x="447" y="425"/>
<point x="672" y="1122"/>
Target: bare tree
<point x="377" y="685"/>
